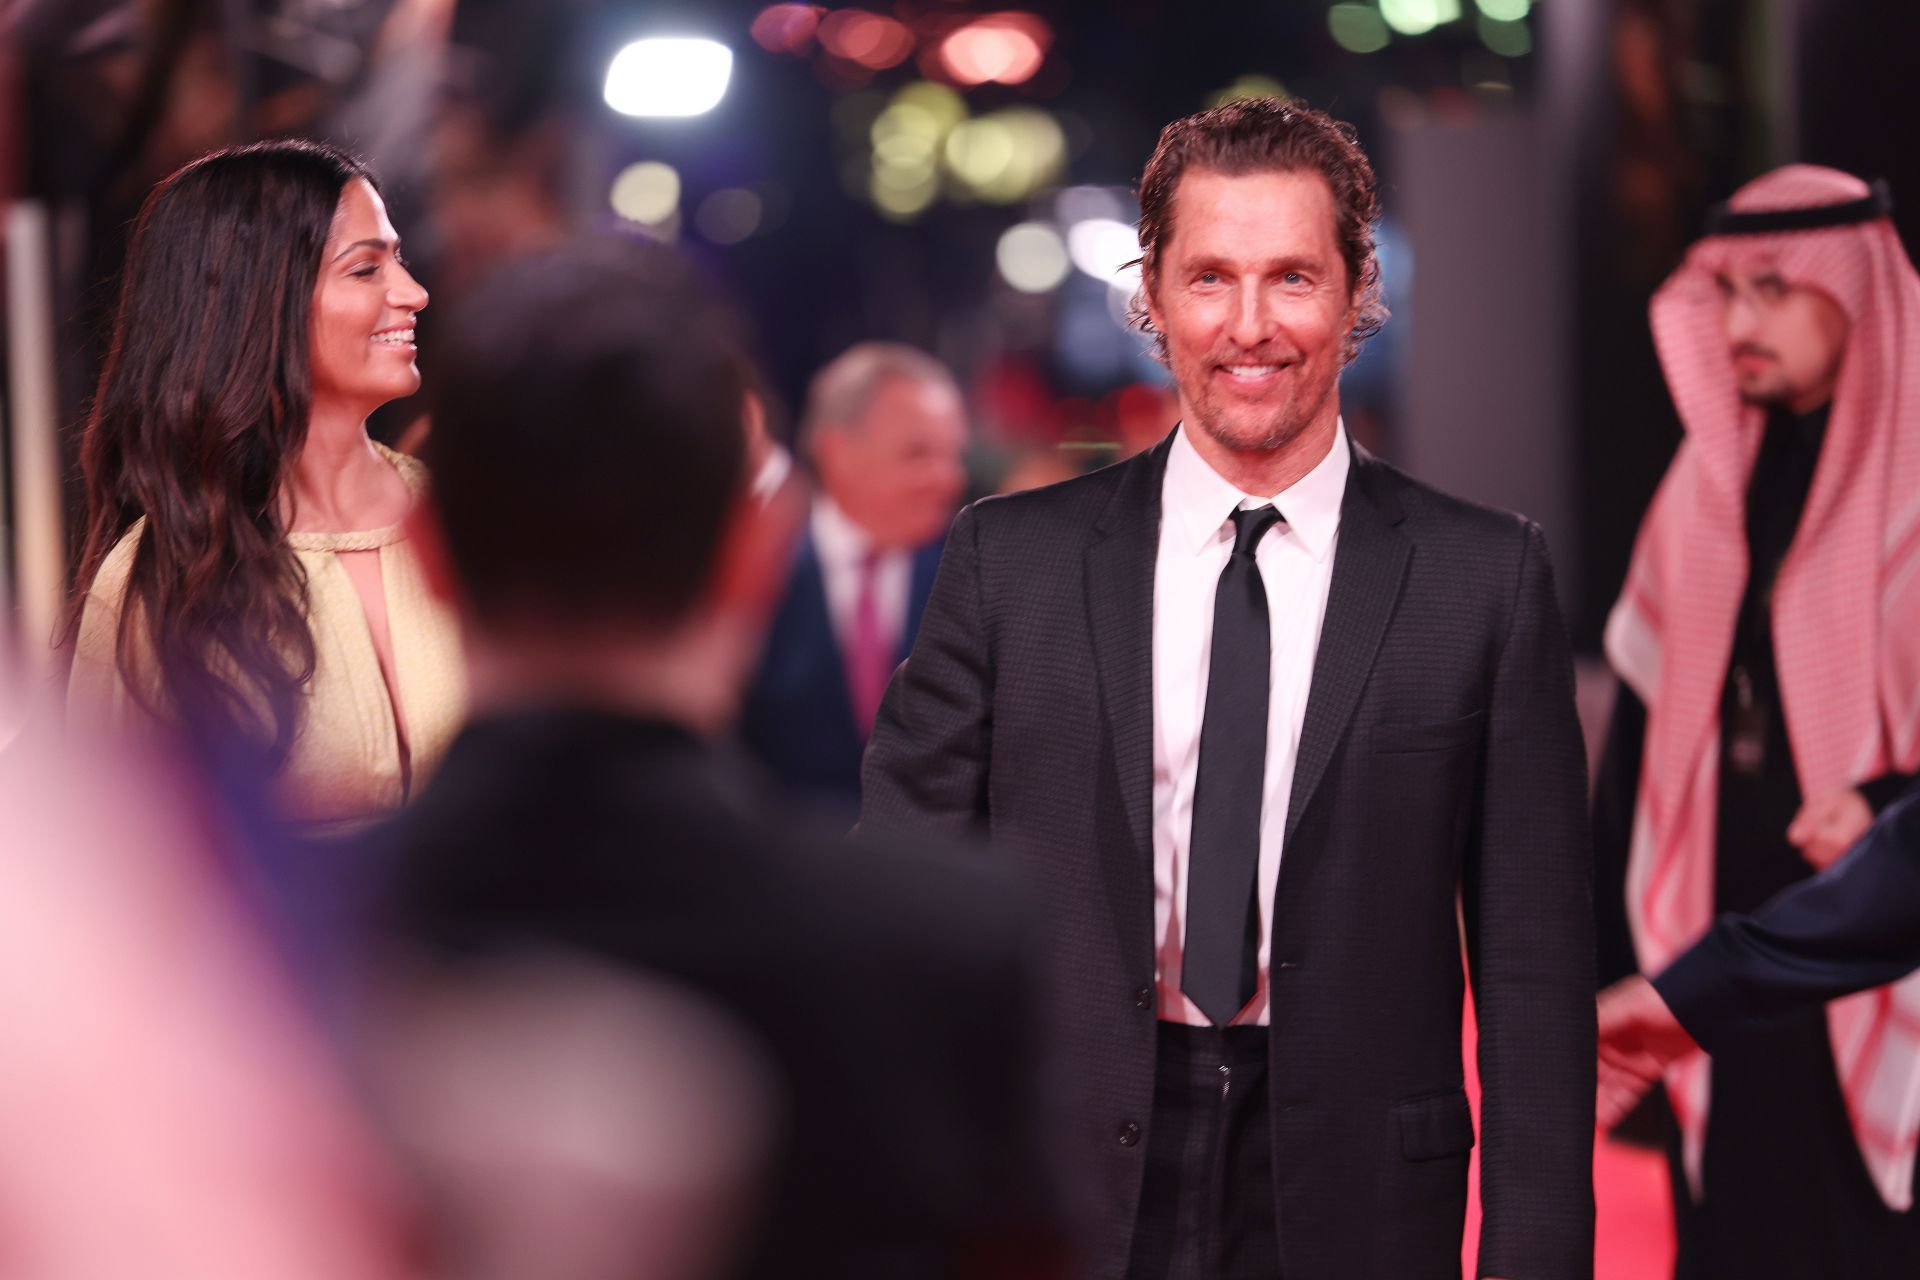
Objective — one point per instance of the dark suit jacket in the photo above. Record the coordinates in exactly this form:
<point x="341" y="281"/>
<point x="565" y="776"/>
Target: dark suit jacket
<point x="1855" y="926"/>
<point x="1440" y="761"/>
<point x="888" y="989"/>
<point x="798" y="716"/>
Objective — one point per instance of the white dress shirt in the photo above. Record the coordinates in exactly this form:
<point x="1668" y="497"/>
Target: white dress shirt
<point x="1296" y="565"/>
<point x="843" y="547"/>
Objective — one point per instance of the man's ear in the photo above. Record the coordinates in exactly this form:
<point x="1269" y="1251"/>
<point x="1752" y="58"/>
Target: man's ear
<point x="429" y="541"/>
<point x="1149" y="299"/>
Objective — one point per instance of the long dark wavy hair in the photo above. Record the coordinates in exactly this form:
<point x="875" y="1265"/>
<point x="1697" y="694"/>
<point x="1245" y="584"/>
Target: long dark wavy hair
<point x="201" y="412"/>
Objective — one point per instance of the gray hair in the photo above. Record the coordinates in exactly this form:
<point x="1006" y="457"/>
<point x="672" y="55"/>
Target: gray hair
<point x="841" y="391"/>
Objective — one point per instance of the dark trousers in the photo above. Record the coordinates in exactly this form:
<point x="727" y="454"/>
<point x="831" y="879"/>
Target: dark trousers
<point x="1206" y="1205"/>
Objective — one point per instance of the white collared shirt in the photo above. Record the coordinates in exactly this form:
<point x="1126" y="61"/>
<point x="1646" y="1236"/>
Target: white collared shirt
<point x="842" y="546"/>
<point x="1296" y="567"/>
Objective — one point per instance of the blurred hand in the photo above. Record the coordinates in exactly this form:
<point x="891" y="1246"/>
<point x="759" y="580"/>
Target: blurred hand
<point x="1639" y="1038"/>
<point x="1827" y="827"/>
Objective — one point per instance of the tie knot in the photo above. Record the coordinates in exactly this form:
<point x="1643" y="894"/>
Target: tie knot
<point x="1250" y="524"/>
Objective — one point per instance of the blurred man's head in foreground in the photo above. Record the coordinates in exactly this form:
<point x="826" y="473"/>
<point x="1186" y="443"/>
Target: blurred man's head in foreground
<point x="589" y="464"/>
<point x="885" y="427"/>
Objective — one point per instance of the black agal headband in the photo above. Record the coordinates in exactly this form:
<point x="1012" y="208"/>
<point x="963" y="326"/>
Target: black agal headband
<point x="1723" y="220"/>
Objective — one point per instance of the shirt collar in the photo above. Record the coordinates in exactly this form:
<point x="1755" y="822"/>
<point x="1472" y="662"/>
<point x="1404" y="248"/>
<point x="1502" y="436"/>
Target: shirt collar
<point x="1199" y="500"/>
<point x="836" y="538"/>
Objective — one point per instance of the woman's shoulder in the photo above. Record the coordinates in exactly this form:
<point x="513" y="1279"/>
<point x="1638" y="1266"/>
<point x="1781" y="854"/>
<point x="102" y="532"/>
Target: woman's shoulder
<point x="110" y="579"/>
<point x="411" y="469"/>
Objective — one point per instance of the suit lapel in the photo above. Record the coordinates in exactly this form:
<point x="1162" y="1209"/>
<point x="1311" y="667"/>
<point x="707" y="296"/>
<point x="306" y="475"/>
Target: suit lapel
<point x="1119" y="582"/>
<point x="1368" y="566"/>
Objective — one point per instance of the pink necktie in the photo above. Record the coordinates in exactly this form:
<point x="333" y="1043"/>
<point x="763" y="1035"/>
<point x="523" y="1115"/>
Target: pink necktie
<point x="869" y="656"/>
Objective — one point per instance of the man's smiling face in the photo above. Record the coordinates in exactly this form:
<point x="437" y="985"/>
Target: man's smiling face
<point x="1253" y="298"/>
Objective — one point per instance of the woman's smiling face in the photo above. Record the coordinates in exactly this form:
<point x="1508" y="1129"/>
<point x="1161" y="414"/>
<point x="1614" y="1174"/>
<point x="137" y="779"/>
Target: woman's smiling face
<point x="363" y="310"/>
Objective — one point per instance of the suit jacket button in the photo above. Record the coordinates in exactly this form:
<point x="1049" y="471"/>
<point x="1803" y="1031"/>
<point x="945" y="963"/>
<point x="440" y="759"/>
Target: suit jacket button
<point x="1143" y="997"/>
<point x="1129" y="1134"/>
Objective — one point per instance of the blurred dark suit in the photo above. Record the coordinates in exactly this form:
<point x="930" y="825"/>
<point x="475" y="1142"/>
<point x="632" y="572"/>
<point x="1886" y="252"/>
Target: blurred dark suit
<point x="799" y="718"/>
<point x="1854" y="926"/>
<point x="888" y="989"/>
<point x="1440" y="766"/>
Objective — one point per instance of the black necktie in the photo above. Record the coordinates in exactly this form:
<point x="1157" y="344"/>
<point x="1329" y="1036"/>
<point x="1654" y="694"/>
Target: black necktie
<point x="1222" y="953"/>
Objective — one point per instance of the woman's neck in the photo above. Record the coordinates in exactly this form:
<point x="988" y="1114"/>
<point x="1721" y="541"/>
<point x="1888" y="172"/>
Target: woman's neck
<point x="340" y="483"/>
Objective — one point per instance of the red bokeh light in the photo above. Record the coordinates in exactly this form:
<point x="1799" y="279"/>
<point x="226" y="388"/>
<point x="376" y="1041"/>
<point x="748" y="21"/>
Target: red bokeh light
<point x="787" y="28"/>
<point x="868" y="39"/>
<point x="1004" y="48"/>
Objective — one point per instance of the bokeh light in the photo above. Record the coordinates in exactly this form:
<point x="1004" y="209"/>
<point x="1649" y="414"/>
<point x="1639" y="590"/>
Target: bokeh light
<point x="787" y="28"/>
<point x="669" y="76"/>
<point x="1508" y="39"/>
<point x="1358" y="28"/>
<point x="1249" y="86"/>
<point x="729" y="215"/>
<point x="1102" y="248"/>
<point x="1032" y="257"/>
<point x="903" y="194"/>
<point x="647" y="193"/>
<point x="1417" y="17"/>
<point x="999" y="48"/>
<point x="1078" y="204"/>
<point x="1504" y="10"/>
<point x="1006" y="156"/>
<point x="948" y="107"/>
<point x="871" y="40"/>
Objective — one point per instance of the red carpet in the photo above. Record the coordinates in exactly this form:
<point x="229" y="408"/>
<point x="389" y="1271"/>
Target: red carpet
<point x="1633" y="1224"/>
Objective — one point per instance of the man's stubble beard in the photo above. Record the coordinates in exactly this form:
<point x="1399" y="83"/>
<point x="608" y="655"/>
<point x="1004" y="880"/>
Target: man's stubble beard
<point x="1288" y="423"/>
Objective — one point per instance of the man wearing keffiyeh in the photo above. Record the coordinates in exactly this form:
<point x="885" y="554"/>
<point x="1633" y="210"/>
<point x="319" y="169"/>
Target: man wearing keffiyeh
<point x="1768" y="643"/>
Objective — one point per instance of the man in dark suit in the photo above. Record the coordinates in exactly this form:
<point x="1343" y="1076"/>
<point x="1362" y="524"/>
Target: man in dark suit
<point x="1854" y="926"/>
<point x="1259" y="714"/>
<point x="884" y="427"/>
<point x="613" y="586"/>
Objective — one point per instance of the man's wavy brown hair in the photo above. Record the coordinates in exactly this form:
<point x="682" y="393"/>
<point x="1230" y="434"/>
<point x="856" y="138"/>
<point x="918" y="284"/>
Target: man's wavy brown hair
<point x="1266" y="135"/>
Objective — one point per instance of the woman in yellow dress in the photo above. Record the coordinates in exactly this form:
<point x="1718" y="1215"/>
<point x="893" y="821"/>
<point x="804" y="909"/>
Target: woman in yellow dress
<point x="248" y="578"/>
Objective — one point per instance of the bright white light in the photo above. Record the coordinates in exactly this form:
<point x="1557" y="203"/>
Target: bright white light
<point x="648" y="192"/>
<point x="1031" y="257"/>
<point x="1101" y="247"/>
<point x="669" y="76"/>
<point x="1505" y="10"/>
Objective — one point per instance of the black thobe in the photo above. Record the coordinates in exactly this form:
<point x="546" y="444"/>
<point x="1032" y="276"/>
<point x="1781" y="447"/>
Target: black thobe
<point x="1785" y="1192"/>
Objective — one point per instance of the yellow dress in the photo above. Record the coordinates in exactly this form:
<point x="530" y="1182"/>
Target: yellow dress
<point x="345" y="763"/>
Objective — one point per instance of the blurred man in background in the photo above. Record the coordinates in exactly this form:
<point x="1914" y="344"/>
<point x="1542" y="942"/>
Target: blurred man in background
<point x="614" y="583"/>
<point x="884" y="428"/>
<point x="1768" y="639"/>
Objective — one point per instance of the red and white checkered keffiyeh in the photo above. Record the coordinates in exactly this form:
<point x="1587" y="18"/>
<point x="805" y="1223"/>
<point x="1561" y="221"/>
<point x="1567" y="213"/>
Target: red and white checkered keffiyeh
<point x="1846" y="617"/>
